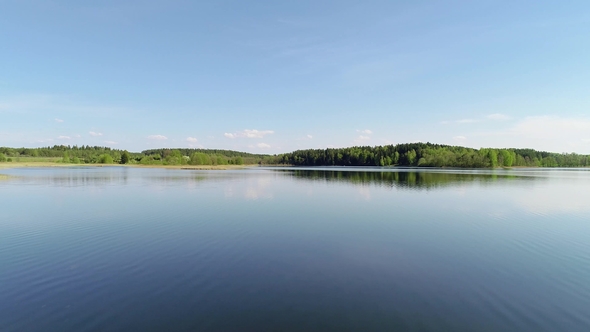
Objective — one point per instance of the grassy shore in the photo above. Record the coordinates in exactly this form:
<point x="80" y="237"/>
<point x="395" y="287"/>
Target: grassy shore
<point x="21" y="164"/>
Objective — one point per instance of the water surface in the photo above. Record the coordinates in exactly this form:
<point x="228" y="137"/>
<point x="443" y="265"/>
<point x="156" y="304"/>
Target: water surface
<point x="333" y="249"/>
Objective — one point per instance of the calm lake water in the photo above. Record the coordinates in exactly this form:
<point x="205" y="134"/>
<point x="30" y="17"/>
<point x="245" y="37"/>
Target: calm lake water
<point x="124" y="249"/>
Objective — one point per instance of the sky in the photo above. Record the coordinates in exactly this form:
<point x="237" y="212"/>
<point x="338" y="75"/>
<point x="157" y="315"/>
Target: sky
<point x="276" y="76"/>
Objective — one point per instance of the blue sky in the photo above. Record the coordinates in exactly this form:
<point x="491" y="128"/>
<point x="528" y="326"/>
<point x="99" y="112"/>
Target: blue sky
<point x="275" y="76"/>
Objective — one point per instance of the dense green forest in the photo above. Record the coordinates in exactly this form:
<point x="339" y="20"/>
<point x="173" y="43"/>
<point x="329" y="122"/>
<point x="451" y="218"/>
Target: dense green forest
<point x="203" y="157"/>
<point x="409" y="155"/>
<point x="104" y="155"/>
<point x="431" y="155"/>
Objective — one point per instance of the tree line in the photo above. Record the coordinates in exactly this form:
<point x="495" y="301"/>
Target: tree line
<point x="106" y="155"/>
<point x="70" y="154"/>
<point x="201" y="157"/>
<point x="431" y="155"/>
<point x="410" y="155"/>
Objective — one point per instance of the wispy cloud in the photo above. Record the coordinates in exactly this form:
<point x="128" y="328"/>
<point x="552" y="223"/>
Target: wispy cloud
<point x="366" y="131"/>
<point x="111" y="142"/>
<point x="94" y="134"/>
<point x="260" y="146"/>
<point x="256" y="133"/>
<point x="58" y="120"/>
<point x="546" y="133"/>
<point x="63" y="137"/>
<point x="543" y="127"/>
<point x="459" y="138"/>
<point x="388" y="142"/>
<point x="157" y="137"/>
<point x="361" y="139"/>
<point x="460" y="121"/>
<point x="249" y="133"/>
<point x="498" y="116"/>
<point x="305" y="138"/>
<point x="193" y="142"/>
<point x="494" y="117"/>
<point x="56" y="104"/>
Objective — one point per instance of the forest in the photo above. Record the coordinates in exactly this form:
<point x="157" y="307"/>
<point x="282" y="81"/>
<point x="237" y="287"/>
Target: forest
<point x="105" y="155"/>
<point x="431" y="155"/>
<point x="404" y="155"/>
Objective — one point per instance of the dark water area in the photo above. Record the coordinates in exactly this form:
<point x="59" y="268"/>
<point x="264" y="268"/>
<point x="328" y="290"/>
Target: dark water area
<point x="263" y="249"/>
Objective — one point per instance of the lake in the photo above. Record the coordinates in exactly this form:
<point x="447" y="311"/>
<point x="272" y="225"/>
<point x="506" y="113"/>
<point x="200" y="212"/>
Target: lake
<point x="294" y="249"/>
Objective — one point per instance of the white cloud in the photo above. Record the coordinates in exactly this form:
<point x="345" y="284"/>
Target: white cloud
<point x="498" y="116"/>
<point x="95" y="134"/>
<point x="63" y="137"/>
<point x="59" y="120"/>
<point x="257" y="133"/>
<point x="495" y="117"/>
<point x="461" y="121"/>
<point x="192" y="142"/>
<point x="54" y="104"/>
<point x="361" y="139"/>
<point x="459" y="138"/>
<point x="259" y="146"/>
<point x="249" y="133"/>
<point x="77" y="136"/>
<point x="552" y="133"/>
<point x="366" y="131"/>
<point x="304" y="138"/>
<point x="111" y="142"/>
<point x="543" y="127"/>
<point x="158" y="137"/>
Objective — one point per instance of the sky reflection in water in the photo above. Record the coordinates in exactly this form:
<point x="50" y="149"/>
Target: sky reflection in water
<point x="119" y="248"/>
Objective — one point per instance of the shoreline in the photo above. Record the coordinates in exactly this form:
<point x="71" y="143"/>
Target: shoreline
<point x="11" y="165"/>
<point x="42" y="164"/>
